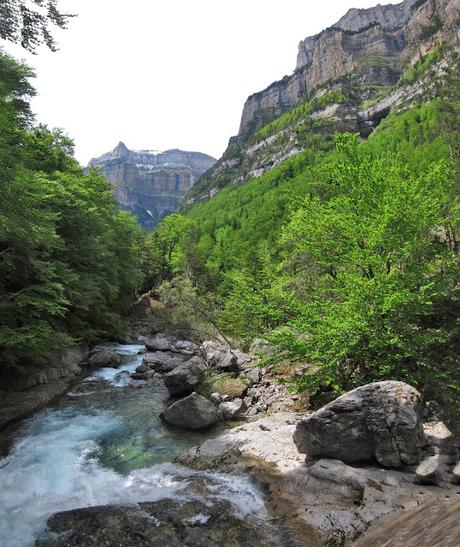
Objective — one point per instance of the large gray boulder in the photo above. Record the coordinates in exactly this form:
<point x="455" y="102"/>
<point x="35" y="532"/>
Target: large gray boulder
<point x="105" y="358"/>
<point x="192" y="412"/>
<point x="161" y="361"/>
<point x="381" y="421"/>
<point x="186" y="377"/>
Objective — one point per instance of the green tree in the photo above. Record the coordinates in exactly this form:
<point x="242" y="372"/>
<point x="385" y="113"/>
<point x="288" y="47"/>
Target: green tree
<point x="28" y="22"/>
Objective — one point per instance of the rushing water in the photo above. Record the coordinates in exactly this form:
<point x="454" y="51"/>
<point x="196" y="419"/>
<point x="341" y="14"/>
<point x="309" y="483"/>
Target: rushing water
<point x="101" y="443"/>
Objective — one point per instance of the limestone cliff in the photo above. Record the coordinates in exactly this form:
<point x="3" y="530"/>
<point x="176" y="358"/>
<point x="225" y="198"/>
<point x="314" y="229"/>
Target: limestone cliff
<point x="151" y="184"/>
<point x="347" y="78"/>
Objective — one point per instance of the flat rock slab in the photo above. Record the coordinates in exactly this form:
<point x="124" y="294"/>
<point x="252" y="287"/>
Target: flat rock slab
<point x="268" y="439"/>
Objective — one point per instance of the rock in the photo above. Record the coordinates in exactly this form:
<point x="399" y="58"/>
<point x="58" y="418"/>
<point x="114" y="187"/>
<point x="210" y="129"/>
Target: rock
<point x="232" y="409"/>
<point x="268" y="440"/>
<point x="434" y="522"/>
<point x="186" y="377"/>
<point x="162" y="361"/>
<point x="151" y="184"/>
<point x="253" y="375"/>
<point x="186" y="347"/>
<point x="218" y="356"/>
<point x="144" y="367"/>
<point x="431" y="470"/>
<point x="168" y="522"/>
<point x="215" y="398"/>
<point x="105" y="358"/>
<point x="229" y="388"/>
<point x="192" y="412"/>
<point x="159" y="342"/>
<point x="456" y="474"/>
<point x="242" y="359"/>
<point x="379" y="421"/>
<point x="439" y="440"/>
<point x="147" y="375"/>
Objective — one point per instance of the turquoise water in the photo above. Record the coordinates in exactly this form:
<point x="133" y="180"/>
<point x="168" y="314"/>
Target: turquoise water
<point x="102" y="442"/>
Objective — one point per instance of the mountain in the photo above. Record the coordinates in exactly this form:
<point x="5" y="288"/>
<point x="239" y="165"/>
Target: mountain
<point x="149" y="183"/>
<point x="347" y="78"/>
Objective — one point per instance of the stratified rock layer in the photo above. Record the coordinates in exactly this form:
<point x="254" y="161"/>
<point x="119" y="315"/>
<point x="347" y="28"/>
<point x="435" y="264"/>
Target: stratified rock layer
<point x="151" y="184"/>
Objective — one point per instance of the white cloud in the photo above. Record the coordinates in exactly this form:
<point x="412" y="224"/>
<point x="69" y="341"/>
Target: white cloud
<point x="168" y="73"/>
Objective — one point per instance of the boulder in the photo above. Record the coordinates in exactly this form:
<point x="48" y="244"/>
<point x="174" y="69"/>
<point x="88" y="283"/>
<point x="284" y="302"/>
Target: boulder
<point x="232" y="409"/>
<point x="185" y="377"/>
<point x="380" y="421"/>
<point x="192" y="412"/>
<point x="439" y="440"/>
<point x="161" y="361"/>
<point x="218" y="356"/>
<point x="105" y="358"/>
<point x="159" y="342"/>
<point x="431" y="470"/>
<point x="186" y="347"/>
<point x="252" y="375"/>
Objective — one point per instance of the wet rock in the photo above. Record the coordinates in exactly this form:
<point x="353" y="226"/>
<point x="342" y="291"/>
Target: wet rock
<point x="232" y="409"/>
<point x="379" y="421"/>
<point x="147" y="375"/>
<point x="166" y="522"/>
<point x="186" y="377"/>
<point x="192" y="412"/>
<point x="105" y="358"/>
<point x="218" y="356"/>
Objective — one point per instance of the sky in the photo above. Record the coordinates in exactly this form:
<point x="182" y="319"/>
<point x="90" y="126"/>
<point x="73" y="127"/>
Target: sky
<point x="161" y="74"/>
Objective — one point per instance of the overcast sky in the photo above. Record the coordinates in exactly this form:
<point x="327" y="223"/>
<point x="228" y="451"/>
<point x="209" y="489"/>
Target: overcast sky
<point x="161" y="74"/>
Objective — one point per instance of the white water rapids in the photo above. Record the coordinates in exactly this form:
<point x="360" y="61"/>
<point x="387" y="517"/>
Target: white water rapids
<point x="101" y="444"/>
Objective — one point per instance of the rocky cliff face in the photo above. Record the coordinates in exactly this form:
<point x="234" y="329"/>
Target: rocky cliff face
<point x="151" y="184"/>
<point x="375" y="42"/>
<point x="350" y="74"/>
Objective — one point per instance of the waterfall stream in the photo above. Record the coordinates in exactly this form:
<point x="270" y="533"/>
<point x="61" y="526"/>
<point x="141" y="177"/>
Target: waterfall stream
<point x="101" y="443"/>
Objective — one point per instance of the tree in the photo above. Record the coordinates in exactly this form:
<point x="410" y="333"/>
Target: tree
<point x="28" y="22"/>
<point x="370" y="265"/>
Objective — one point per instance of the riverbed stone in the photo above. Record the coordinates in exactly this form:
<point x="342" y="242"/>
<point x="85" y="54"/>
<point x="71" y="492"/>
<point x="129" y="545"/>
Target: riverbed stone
<point x="185" y="377"/>
<point x="105" y="358"/>
<point x="167" y="522"/>
<point x="232" y="409"/>
<point x="381" y="421"/>
<point x="186" y="347"/>
<point x="456" y="474"/>
<point x="192" y="412"/>
<point x="159" y="342"/>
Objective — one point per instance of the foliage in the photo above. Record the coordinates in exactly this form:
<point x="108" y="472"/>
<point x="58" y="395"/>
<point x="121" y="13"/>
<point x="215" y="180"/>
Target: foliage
<point x="68" y="260"/>
<point x="300" y="112"/>
<point x="28" y="22"/>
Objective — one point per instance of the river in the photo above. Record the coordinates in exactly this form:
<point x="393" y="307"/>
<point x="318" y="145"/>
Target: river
<point x="101" y="443"/>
